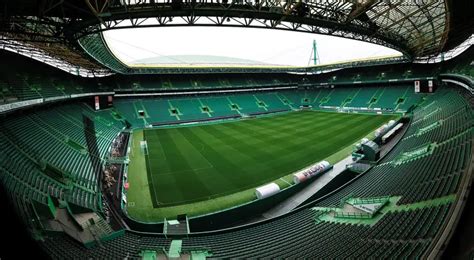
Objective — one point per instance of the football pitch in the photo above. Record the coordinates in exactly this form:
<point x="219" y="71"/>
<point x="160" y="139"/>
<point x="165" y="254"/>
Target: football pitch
<point x="189" y="165"/>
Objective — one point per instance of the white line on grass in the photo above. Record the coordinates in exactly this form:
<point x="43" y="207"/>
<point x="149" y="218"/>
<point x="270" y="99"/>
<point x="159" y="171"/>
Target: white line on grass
<point x="199" y="151"/>
<point x="148" y="168"/>
<point x="184" y="171"/>
<point x="285" y="181"/>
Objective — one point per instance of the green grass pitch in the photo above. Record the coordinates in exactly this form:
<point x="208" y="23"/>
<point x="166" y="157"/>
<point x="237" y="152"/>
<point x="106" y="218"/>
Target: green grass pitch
<point x="200" y="165"/>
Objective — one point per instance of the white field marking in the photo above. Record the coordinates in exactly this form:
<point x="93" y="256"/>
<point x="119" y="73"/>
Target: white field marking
<point x="210" y="165"/>
<point x="202" y="155"/>
<point x="285" y="180"/>
<point x="198" y="151"/>
<point x="185" y="171"/>
<point x="149" y="168"/>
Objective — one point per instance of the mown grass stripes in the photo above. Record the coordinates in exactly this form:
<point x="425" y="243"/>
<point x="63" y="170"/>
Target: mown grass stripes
<point x="190" y="164"/>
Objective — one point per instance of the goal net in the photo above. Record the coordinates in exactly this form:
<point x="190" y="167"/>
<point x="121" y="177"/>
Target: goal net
<point x="144" y="147"/>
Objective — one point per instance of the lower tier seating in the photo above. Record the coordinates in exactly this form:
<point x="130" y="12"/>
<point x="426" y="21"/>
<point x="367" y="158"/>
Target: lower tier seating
<point x="426" y="186"/>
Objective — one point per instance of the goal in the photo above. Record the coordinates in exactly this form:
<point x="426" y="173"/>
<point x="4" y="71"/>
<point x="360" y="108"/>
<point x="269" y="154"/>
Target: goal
<point x="144" y="147"/>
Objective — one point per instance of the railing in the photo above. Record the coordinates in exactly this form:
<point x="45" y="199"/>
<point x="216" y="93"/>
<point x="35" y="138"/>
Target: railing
<point x="460" y="80"/>
<point x="5" y="108"/>
<point x="188" y="249"/>
<point x="353" y="215"/>
<point x="370" y="200"/>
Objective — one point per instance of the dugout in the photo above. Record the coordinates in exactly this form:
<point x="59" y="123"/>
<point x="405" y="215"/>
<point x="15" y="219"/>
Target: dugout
<point x="267" y="190"/>
<point x="371" y="151"/>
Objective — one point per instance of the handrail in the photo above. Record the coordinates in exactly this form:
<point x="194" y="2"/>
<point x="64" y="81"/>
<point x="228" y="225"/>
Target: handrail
<point x="460" y="80"/>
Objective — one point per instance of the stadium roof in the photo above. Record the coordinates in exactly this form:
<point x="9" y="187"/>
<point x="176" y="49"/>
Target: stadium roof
<point x="417" y="28"/>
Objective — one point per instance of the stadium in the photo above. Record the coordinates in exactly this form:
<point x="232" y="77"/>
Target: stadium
<point x="235" y="157"/>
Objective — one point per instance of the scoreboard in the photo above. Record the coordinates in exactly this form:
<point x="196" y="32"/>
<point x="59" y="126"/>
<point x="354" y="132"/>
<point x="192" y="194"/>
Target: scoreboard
<point x="102" y="102"/>
<point x="425" y="86"/>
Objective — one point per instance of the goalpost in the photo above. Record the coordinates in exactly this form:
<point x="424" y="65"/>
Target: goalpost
<point x="144" y="147"/>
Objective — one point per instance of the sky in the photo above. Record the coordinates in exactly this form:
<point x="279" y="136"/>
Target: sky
<point x="267" y="46"/>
